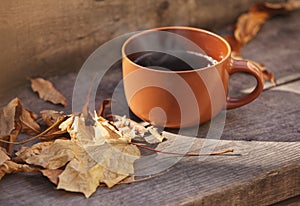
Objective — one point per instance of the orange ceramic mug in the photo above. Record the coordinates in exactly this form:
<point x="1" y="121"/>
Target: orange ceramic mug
<point x="183" y="96"/>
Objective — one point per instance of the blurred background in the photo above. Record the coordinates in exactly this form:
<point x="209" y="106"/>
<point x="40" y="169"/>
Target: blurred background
<point x="52" y="37"/>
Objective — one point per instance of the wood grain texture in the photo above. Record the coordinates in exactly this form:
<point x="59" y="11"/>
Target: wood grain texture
<point x="54" y="37"/>
<point x="264" y="169"/>
<point x="262" y="173"/>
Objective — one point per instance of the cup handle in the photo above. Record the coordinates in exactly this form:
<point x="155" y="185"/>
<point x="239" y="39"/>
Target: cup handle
<point x="251" y="68"/>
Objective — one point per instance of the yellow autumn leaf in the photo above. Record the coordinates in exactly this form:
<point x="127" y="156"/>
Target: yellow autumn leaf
<point x="56" y="155"/>
<point x="25" y="153"/>
<point x="89" y="157"/>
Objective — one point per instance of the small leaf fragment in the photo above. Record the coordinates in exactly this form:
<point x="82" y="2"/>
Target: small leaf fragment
<point x="10" y="122"/>
<point x="3" y="156"/>
<point x="52" y="174"/>
<point x="47" y="91"/>
<point x="25" y="153"/>
<point x="28" y="123"/>
<point x="9" y="167"/>
<point x="105" y="104"/>
<point x="267" y="75"/>
<point x="248" y="25"/>
<point x="50" y="116"/>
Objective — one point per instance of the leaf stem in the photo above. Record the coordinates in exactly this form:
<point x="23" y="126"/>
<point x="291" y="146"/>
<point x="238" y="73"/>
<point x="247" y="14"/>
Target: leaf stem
<point x="182" y="154"/>
<point x="58" y="121"/>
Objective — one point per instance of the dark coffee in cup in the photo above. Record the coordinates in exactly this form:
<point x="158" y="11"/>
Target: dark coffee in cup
<point x="173" y="60"/>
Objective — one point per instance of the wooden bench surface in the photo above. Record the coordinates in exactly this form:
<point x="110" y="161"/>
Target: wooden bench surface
<point x="265" y="135"/>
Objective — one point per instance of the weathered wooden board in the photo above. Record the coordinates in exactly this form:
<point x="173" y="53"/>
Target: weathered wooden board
<point x="264" y="169"/>
<point x="55" y="37"/>
<point x="262" y="173"/>
<point x="277" y="45"/>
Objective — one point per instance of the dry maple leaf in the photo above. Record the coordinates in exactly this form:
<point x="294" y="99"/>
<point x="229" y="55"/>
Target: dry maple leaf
<point x="25" y="153"/>
<point x="13" y="118"/>
<point x="88" y="158"/>
<point x="53" y="156"/>
<point x="47" y="91"/>
<point x="248" y="25"/>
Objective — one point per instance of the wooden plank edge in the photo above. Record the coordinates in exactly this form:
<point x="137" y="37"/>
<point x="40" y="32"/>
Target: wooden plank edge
<point x="275" y="186"/>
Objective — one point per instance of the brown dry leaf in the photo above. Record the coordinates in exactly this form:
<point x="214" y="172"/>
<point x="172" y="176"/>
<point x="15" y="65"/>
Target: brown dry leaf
<point x="28" y="123"/>
<point x="89" y="159"/>
<point x="248" y="25"/>
<point x="50" y="116"/>
<point x="105" y="104"/>
<point x="7" y="116"/>
<point x="234" y="44"/>
<point x="269" y="76"/>
<point x="9" y="167"/>
<point x="9" y="122"/>
<point x="53" y="156"/>
<point x="277" y="8"/>
<point x="52" y="175"/>
<point x="47" y="91"/>
<point x="13" y="118"/>
<point x="53" y="134"/>
<point x="3" y="156"/>
<point x="25" y="153"/>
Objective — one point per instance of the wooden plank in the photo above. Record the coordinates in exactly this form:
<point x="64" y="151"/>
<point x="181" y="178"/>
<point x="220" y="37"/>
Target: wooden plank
<point x="294" y="201"/>
<point x="276" y="45"/>
<point x="54" y="37"/>
<point x="262" y="173"/>
<point x="264" y="170"/>
<point x="269" y="118"/>
<point x="293" y="87"/>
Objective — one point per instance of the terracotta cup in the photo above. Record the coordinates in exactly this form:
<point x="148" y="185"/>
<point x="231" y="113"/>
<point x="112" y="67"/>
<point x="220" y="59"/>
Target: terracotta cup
<point x="186" y="97"/>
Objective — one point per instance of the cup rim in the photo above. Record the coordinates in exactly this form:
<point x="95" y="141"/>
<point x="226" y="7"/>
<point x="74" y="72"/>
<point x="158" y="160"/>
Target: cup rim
<point x="178" y="28"/>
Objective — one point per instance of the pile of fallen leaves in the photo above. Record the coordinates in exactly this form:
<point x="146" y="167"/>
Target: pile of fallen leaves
<point x="79" y="152"/>
<point x="75" y="155"/>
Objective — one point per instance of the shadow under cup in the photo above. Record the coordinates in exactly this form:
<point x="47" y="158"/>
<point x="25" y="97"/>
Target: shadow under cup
<point x="178" y="76"/>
